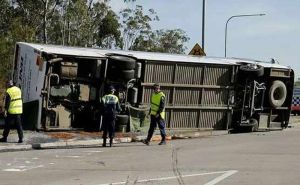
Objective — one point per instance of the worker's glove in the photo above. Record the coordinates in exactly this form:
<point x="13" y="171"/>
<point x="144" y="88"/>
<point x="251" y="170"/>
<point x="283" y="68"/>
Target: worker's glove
<point x="5" y="113"/>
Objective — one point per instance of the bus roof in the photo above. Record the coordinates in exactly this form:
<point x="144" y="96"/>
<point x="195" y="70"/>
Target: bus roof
<point x="150" y="56"/>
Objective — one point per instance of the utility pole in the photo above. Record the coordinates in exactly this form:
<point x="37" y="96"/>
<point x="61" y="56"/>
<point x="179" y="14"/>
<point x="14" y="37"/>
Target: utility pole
<point x="203" y="23"/>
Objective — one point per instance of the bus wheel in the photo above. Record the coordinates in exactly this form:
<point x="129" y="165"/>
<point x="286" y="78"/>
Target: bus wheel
<point x="123" y="62"/>
<point x="121" y="123"/>
<point x="252" y="70"/>
<point x="122" y="119"/>
<point x="277" y="93"/>
<point x="126" y="74"/>
<point x="254" y="123"/>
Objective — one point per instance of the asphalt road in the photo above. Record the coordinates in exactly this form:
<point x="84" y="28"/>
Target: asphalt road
<point x="261" y="158"/>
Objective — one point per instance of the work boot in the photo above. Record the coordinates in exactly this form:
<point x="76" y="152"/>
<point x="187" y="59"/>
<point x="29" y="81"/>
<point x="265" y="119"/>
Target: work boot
<point x="163" y="142"/>
<point x="104" y="143"/>
<point x="3" y="140"/>
<point x="146" y="142"/>
<point x="111" y="142"/>
<point x="20" y="141"/>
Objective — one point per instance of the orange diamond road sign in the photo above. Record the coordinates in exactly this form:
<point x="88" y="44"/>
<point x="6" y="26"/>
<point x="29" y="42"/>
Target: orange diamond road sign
<point x="197" y="50"/>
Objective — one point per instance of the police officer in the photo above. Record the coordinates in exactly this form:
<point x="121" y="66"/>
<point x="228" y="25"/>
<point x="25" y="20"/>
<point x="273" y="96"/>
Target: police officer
<point x="157" y="113"/>
<point x="111" y="107"/>
<point x="13" y="111"/>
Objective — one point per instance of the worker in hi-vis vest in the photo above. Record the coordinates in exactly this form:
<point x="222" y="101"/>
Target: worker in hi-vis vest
<point x="111" y="107"/>
<point x="157" y="113"/>
<point x="13" y="111"/>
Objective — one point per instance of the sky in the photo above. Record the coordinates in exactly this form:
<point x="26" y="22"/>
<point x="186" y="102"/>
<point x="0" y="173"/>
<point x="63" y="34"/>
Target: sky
<point x="275" y="35"/>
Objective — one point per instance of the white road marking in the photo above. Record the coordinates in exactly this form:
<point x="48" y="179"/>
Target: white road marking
<point x="22" y="168"/>
<point x="93" y="151"/>
<point x="68" y="156"/>
<point x="73" y="156"/>
<point x="224" y="175"/>
<point x="14" y="170"/>
<point x="21" y="164"/>
<point x="33" y="167"/>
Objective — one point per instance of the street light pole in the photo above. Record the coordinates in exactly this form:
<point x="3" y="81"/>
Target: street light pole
<point x="203" y="23"/>
<point x="246" y="15"/>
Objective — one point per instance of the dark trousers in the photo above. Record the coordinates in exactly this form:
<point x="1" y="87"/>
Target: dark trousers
<point x="161" y="125"/>
<point x="108" y="126"/>
<point x="13" y="119"/>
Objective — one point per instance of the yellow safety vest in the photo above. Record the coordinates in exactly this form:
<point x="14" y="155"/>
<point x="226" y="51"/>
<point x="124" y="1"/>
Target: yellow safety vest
<point x="155" y="102"/>
<point x="16" y="104"/>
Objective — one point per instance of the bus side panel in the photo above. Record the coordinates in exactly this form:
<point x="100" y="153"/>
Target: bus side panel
<point x="197" y="95"/>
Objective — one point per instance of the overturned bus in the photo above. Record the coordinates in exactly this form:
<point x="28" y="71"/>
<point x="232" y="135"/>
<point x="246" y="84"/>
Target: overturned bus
<point x="62" y="86"/>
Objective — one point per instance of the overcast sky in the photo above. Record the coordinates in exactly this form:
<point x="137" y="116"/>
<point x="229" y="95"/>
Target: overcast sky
<point x="275" y="35"/>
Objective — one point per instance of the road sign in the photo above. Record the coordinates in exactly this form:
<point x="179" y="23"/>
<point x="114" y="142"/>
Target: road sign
<point x="197" y="50"/>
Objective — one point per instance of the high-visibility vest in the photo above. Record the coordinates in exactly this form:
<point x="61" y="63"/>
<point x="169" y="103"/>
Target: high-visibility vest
<point x="155" y="102"/>
<point x="16" y="104"/>
<point x="110" y="99"/>
<point x="110" y="102"/>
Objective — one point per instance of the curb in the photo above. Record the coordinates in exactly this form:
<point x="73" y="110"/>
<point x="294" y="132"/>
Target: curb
<point x="11" y="148"/>
<point x="49" y="145"/>
<point x="99" y="142"/>
<point x="77" y="144"/>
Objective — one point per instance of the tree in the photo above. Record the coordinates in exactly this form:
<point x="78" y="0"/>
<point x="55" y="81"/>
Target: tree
<point x="5" y="17"/>
<point x="109" y="34"/>
<point x="105" y="26"/>
<point x="169" y="41"/>
<point x="5" y="45"/>
<point x="172" y="41"/>
<point x="35" y="14"/>
<point x="49" y="7"/>
<point x="6" y="13"/>
<point x="135" y="24"/>
<point x="137" y="33"/>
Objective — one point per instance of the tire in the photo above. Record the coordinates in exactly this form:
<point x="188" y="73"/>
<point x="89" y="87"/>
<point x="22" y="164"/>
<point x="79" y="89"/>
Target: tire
<point x="121" y="128"/>
<point x="120" y="75"/>
<point x="254" y="123"/>
<point x="122" y="119"/>
<point x="122" y="62"/>
<point x="251" y="71"/>
<point x="126" y="74"/>
<point x="277" y="94"/>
